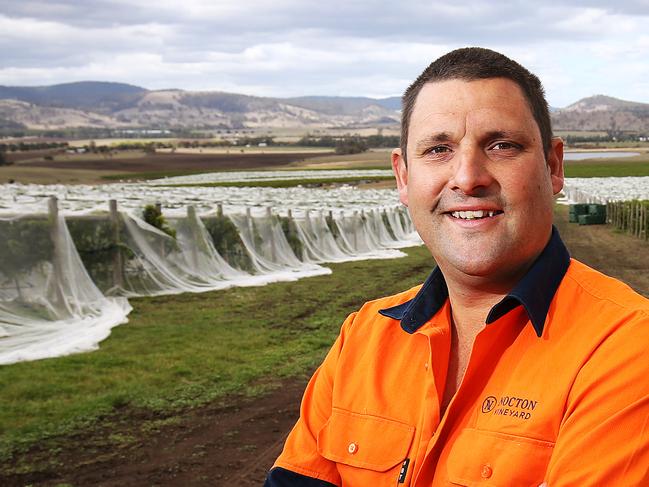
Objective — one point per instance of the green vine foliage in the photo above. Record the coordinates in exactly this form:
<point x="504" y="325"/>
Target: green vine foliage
<point x="386" y="223"/>
<point x="227" y="242"/>
<point x="154" y="217"/>
<point x="288" y="227"/>
<point x="24" y="244"/>
<point x="94" y="240"/>
<point x="335" y="231"/>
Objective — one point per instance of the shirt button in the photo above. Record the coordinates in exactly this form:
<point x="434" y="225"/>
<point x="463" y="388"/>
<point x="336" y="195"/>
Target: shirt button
<point x="486" y="472"/>
<point x="352" y="448"/>
<point x="426" y="366"/>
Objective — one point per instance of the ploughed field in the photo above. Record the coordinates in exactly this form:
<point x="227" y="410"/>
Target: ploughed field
<point x="35" y="167"/>
<point x="234" y="439"/>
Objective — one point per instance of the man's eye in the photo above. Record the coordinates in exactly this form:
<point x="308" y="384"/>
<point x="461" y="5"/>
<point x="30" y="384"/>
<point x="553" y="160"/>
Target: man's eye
<point x="504" y="146"/>
<point x="438" y="149"/>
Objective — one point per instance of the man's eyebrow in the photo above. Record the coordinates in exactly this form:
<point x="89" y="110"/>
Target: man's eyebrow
<point x="430" y="140"/>
<point x="506" y="134"/>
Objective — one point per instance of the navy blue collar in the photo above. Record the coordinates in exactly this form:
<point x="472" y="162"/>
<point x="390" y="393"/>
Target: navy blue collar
<point x="534" y="292"/>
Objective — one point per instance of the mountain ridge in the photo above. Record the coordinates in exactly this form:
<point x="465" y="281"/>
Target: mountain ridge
<point x="116" y="105"/>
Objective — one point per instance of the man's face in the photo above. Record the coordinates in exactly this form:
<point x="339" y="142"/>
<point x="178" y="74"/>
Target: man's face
<point x="477" y="183"/>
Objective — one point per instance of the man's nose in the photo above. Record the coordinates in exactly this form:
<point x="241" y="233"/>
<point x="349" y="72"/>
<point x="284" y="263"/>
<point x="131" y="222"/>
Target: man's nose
<point x="471" y="172"/>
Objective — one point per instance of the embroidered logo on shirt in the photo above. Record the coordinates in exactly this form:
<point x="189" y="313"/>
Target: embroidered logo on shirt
<point x="515" y="407"/>
<point x="488" y="404"/>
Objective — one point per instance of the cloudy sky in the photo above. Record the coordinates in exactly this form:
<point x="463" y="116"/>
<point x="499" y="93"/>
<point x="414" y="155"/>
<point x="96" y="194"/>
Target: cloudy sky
<point x="328" y="47"/>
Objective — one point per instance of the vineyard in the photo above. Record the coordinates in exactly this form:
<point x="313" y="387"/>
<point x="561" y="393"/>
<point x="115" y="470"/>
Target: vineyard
<point x="631" y="217"/>
<point x="64" y="278"/>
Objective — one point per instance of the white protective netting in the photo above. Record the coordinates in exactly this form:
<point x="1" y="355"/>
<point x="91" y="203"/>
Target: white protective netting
<point x="54" y="279"/>
<point x="49" y="306"/>
<point x="603" y="190"/>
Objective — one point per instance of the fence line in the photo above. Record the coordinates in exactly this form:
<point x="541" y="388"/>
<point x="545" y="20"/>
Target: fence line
<point x="631" y="217"/>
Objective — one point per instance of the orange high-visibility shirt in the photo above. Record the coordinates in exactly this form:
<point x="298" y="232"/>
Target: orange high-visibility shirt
<point x="556" y="390"/>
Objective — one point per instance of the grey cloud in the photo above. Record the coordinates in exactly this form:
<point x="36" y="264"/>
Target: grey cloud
<point x="413" y="20"/>
<point x="214" y="43"/>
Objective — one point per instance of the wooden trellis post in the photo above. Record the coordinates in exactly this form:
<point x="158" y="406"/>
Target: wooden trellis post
<point x="273" y="248"/>
<point x="250" y="226"/>
<point x="118" y="259"/>
<point x="55" y="237"/>
<point x="355" y="231"/>
<point x="191" y="217"/>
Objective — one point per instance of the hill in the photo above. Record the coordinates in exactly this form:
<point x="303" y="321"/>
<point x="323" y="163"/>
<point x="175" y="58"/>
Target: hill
<point x="118" y="105"/>
<point x="115" y="105"/>
<point x="603" y="113"/>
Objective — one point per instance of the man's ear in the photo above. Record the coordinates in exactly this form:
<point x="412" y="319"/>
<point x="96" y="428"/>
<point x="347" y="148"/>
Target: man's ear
<point x="555" y="164"/>
<point x="401" y="174"/>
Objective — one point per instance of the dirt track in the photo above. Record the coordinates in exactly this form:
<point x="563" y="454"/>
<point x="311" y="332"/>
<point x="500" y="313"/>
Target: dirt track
<point x="236" y="442"/>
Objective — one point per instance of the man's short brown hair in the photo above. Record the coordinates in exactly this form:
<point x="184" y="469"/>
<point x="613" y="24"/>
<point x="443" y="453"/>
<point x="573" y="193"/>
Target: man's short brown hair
<point x="476" y="63"/>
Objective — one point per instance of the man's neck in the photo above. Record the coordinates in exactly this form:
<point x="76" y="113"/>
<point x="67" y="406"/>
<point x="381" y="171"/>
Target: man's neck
<point x="472" y="297"/>
<point x="470" y="307"/>
<point x="470" y="304"/>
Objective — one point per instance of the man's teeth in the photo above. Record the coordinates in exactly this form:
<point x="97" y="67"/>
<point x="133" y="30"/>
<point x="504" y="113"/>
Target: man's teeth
<point x="472" y="214"/>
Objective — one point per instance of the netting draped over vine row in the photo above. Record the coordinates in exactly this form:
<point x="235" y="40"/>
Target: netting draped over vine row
<point x="49" y="305"/>
<point x="63" y="281"/>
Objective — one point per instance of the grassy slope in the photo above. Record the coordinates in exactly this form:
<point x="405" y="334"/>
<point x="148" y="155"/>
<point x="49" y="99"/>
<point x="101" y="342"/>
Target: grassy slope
<point x="184" y="350"/>
<point x="587" y="168"/>
<point x="614" y="167"/>
<point x="289" y="183"/>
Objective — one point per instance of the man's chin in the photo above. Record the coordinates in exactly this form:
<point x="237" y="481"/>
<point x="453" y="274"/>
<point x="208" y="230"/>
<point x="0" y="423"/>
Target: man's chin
<point x="480" y="266"/>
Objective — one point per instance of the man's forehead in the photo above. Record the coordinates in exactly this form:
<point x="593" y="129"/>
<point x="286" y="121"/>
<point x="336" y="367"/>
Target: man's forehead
<point x="456" y="94"/>
<point x="497" y="100"/>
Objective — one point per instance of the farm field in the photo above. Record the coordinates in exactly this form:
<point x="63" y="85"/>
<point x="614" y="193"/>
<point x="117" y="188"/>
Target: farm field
<point x="138" y="165"/>
<point x="609" y="167"/>
<point x="177" y="353"/>
<point x="160" y="408"/>
<point x="160" y="402"/>
<point x="33" y="167"/>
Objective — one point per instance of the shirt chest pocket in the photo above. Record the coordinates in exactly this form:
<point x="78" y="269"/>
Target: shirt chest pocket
<point x="368" y="450"/>
<point x="491" y="459"/>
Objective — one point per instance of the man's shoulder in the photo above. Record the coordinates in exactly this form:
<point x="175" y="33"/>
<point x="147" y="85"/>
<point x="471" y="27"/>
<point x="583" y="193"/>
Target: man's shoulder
<point x="374" y="306"/>
<point x="369" y="317"/>
<point x="596" y="287"/>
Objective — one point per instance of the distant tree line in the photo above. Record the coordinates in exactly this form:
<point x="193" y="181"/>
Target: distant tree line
<point x="105" y="133"/>
<point x="371" y="141"/>
<point x="26" y="146"/>
<point x="611" y="136"/>
<point x="342" y="144"/>
<point x="350" y="144"/>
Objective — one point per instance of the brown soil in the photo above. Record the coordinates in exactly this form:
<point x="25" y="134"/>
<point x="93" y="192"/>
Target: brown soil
<point x="234" y="442"/>
<point x="607" y="250"/>
<point x="33" y="168"/>
<point x="221" y="444"/>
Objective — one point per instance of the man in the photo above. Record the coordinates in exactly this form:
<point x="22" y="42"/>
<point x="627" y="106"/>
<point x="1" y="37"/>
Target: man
<point x="512" y="364"/>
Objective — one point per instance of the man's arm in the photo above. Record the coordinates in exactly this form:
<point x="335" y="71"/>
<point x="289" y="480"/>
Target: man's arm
<point x="300" y="464"/>
<point x="604" y="436"/>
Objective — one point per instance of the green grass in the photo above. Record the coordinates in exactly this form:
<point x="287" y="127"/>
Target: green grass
<point x="288" y="183"/>
<point x="573" y="169"/>
<point x="614" y="167"/>
<point x="181" y="351"/>
<point x="139" y="176"/>
<point x="169" y="174"/>
<point x="611" y="168"/>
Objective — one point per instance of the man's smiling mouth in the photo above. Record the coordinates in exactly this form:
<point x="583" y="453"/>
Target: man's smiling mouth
<point x="474" y="214"/>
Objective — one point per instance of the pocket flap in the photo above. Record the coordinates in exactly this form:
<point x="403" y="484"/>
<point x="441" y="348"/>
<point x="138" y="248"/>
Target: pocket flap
<point x="488" y="458"/>
<point x="364" y="441"/>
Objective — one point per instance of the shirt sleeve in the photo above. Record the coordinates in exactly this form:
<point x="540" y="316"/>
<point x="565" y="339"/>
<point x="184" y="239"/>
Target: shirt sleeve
<point x="300" y="455"/>
<point x="604" y="436"/>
